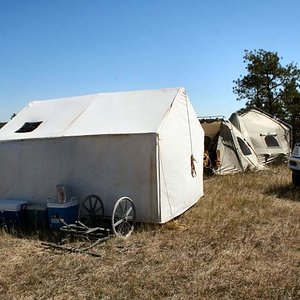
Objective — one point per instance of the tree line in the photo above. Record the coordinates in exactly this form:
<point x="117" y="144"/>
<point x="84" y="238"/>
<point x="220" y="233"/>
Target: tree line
<point x="271" y="86"/>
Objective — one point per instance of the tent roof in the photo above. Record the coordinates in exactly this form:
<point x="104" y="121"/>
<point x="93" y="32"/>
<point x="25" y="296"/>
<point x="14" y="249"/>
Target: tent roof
<point x="104" y="113"/>
<point x="255" y="110"/>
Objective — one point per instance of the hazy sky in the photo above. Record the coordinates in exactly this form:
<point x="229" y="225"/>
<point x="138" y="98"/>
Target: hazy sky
<point x="59" y="48"/>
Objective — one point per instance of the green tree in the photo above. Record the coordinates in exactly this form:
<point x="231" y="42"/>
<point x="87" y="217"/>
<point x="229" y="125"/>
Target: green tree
<point x="291" y="101"/>
<point x="270" y="86"/>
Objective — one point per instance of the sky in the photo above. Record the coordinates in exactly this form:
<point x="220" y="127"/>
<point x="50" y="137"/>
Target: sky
<point x="62" y="48"/>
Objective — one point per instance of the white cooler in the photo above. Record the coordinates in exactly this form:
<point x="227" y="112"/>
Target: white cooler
<point x="13" y="212"/>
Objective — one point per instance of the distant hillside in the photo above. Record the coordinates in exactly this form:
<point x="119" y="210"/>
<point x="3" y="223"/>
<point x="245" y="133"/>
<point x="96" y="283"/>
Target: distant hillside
<point x="2" y="124"/>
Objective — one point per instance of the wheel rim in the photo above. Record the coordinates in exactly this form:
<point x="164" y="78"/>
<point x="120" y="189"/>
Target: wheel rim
<point x="91" y="211"/>
<point x="123" y="217"/>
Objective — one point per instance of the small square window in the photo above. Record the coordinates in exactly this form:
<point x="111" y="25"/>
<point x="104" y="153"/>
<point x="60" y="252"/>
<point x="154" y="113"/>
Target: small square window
<point x="271" y="141"/>
<point x="29" y="127"/>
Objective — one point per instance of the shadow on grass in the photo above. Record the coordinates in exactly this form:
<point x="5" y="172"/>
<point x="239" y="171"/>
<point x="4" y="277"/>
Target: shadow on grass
<point x="59" y="237"/>
<point x="284" y="191"/>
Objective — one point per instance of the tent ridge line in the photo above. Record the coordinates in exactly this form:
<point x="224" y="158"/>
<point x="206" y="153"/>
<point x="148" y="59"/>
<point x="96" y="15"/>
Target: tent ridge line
<point x="168" y="111"/>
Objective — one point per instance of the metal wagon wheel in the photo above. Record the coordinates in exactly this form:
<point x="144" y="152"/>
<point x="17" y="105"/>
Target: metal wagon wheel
<point x="91" y="211"/>
<point x="123" y="217"/>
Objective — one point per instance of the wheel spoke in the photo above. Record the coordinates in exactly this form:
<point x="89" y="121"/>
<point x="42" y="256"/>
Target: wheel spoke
<point x="124" y="207"/>
<point x="128" y="211"/>
<point x="119" y="222"/>
<point x="118" y="215"/>
<point x="129" y="228"/>
<point x="121" y="228"/>
<point x="95" y="204"/>
<point x="126" y="228"/>
<point x="120" y="209"/>
<point x="130" y="218"/>
<point x="98" y="209"/>
<point x="86" y="208"/>
<point x="90" y="201"/>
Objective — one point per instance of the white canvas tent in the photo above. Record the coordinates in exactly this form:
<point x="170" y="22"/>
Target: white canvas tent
<point x="228" y="151"/>
<point x="270" y="137"/>
<point x="147" y="145"/>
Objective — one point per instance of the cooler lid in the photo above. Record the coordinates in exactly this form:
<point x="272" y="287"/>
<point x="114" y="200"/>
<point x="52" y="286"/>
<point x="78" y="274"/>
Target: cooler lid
<point x="12" y="205"/>
<point x="61" y="205"/>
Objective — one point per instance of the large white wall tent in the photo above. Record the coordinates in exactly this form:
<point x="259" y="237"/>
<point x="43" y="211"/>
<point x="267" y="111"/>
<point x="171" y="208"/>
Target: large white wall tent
<point x="226" y="149"/>
<point x="270" y="136"/>
<point x="147" y="145"/>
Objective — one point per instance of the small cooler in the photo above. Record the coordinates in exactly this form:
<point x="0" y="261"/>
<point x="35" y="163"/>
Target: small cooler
<point x="68" y="212"/>
<point x="13" y="213"/>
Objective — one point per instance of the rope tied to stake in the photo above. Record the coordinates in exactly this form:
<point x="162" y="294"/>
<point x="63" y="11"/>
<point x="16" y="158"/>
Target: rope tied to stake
<point x="193" y="168"/>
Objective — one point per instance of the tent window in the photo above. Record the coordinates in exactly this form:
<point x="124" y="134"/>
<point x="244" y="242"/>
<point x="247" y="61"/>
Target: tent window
<point x="29" y="127"/>
<point x="245" y="149"/>
<point x="226" y="134"/>
<point x="271" y="141"/>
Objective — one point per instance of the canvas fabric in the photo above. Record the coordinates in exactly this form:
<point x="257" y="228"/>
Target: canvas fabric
<point x="259" y="126"/>
<point x="141" y="144"/>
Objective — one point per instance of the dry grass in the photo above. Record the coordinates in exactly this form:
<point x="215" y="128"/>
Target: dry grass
<point x="240" y="241"/>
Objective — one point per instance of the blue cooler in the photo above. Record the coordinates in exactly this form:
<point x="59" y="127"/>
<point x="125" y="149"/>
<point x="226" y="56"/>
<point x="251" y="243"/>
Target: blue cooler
<point x="68" y="212"/>
<point x="13" y="213"/>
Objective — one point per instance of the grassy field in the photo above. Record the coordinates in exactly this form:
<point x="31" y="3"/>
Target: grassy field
<point x="240" y="241"/>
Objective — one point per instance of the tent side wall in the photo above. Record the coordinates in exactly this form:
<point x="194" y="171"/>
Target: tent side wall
<point x="109" y="166"/>
<point x="230" y="158"/>
<point x="180" y="136"/>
